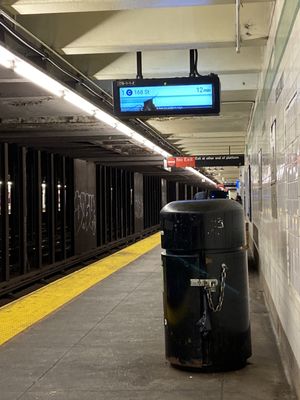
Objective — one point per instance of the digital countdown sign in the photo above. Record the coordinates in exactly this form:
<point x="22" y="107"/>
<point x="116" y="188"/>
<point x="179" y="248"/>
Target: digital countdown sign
<point x="173" y="96"/>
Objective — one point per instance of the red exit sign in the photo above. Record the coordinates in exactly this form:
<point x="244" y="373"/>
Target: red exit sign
<point x="181" y="162"/>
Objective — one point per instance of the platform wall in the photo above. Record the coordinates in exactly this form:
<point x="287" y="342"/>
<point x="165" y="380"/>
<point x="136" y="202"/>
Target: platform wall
<point x="272" y="180"/>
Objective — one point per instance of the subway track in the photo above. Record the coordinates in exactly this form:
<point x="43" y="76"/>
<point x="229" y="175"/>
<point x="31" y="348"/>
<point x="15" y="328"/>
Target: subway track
<point x="19" y="287"/>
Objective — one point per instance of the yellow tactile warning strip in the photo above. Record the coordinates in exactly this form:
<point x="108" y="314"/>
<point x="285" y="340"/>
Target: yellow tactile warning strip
<point x="21" y="314"/>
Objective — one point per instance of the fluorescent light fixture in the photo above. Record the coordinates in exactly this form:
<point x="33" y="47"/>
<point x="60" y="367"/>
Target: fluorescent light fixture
<point x="206" y="179"/>
<point x="124" y="129"/>
<point x="149" y="144"/>
<point x="79" y="102"/>
<point x="34" y="75"/>
<point x="138" y="138"/>
<point x="6" y="58"/>
<point x="165" y="154"/>
<point x="106" y="118"/>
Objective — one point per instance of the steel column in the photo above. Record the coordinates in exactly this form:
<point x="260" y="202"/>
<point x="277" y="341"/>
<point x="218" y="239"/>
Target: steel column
<point x="99" y="205"/>
<point x="63" y="210"/>
<point x="126" y="201"/>
<point x="5" y="219"/>
<point x="23" y="210"/>
<point x="131" y="205"/>
<point x="38" y="210"/>
<point x="122" y="231"/>
<point x="116" y="205"/>
<point x="51" y="209"/>
<point x="104" y="210"/>
<point x="111" y="190"/>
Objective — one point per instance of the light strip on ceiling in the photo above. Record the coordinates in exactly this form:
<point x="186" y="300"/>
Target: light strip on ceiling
<point x="6" y="58"/>
<point x="34" y="75"/>
<point x="203" y="177"/>
<point x="79" y="102"/>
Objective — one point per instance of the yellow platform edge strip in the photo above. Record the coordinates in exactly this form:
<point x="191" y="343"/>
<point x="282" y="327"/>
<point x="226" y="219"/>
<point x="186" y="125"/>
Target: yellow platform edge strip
<point x="17" y="316"/>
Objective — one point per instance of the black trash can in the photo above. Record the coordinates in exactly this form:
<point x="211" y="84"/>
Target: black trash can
<point x="206" y="301"/>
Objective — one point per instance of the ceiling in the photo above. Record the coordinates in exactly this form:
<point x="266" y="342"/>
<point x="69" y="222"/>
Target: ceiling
<point x="101" y="38"/>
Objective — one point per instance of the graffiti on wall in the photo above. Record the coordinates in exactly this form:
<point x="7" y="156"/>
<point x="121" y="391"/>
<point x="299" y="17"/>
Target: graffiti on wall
<point x="85" y="212"/>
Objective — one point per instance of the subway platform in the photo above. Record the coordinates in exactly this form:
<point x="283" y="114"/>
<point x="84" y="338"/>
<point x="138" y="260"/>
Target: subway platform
<point x="108" y="344"/>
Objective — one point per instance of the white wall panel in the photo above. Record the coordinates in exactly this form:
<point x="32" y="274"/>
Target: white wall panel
<point x="279" y="238"/>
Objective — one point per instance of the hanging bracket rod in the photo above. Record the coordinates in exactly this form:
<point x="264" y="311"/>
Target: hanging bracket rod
<point x="139" y="73"/>
<point x="192" y="63"/>
<point x="237" y="26"/>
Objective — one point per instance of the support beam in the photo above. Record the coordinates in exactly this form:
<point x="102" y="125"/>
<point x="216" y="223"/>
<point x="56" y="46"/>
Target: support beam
<point x="133" y="30"/>
<point x="71" y="6"/>
<point x="208" y="140"/>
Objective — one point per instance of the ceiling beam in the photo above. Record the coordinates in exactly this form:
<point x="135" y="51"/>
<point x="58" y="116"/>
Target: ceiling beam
<point x="133" y="30"/>
<point x="215" y="150"/>
<point x="217" y="134"/>
<point x="199" y="142"/>
<point x="71" y="6"/>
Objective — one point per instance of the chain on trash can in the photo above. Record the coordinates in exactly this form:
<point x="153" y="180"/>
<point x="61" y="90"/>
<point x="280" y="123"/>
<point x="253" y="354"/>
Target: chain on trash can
<point x="208" y="290"/>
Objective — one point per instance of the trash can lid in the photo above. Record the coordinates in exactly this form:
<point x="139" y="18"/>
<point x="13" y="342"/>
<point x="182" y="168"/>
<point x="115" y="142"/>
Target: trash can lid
<point x="213" y="224"/>
<point x="201" y="206"/>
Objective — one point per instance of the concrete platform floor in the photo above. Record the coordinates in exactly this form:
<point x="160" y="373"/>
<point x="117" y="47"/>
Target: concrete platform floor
<point x="108" y="344"/>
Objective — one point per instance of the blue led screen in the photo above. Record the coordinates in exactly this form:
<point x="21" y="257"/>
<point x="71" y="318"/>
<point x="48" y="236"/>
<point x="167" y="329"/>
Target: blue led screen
<point x="198" y="95"/>
<point x="149" y="98"/>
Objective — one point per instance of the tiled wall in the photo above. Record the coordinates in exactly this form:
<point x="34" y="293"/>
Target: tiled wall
<point x="274" y="157"/>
